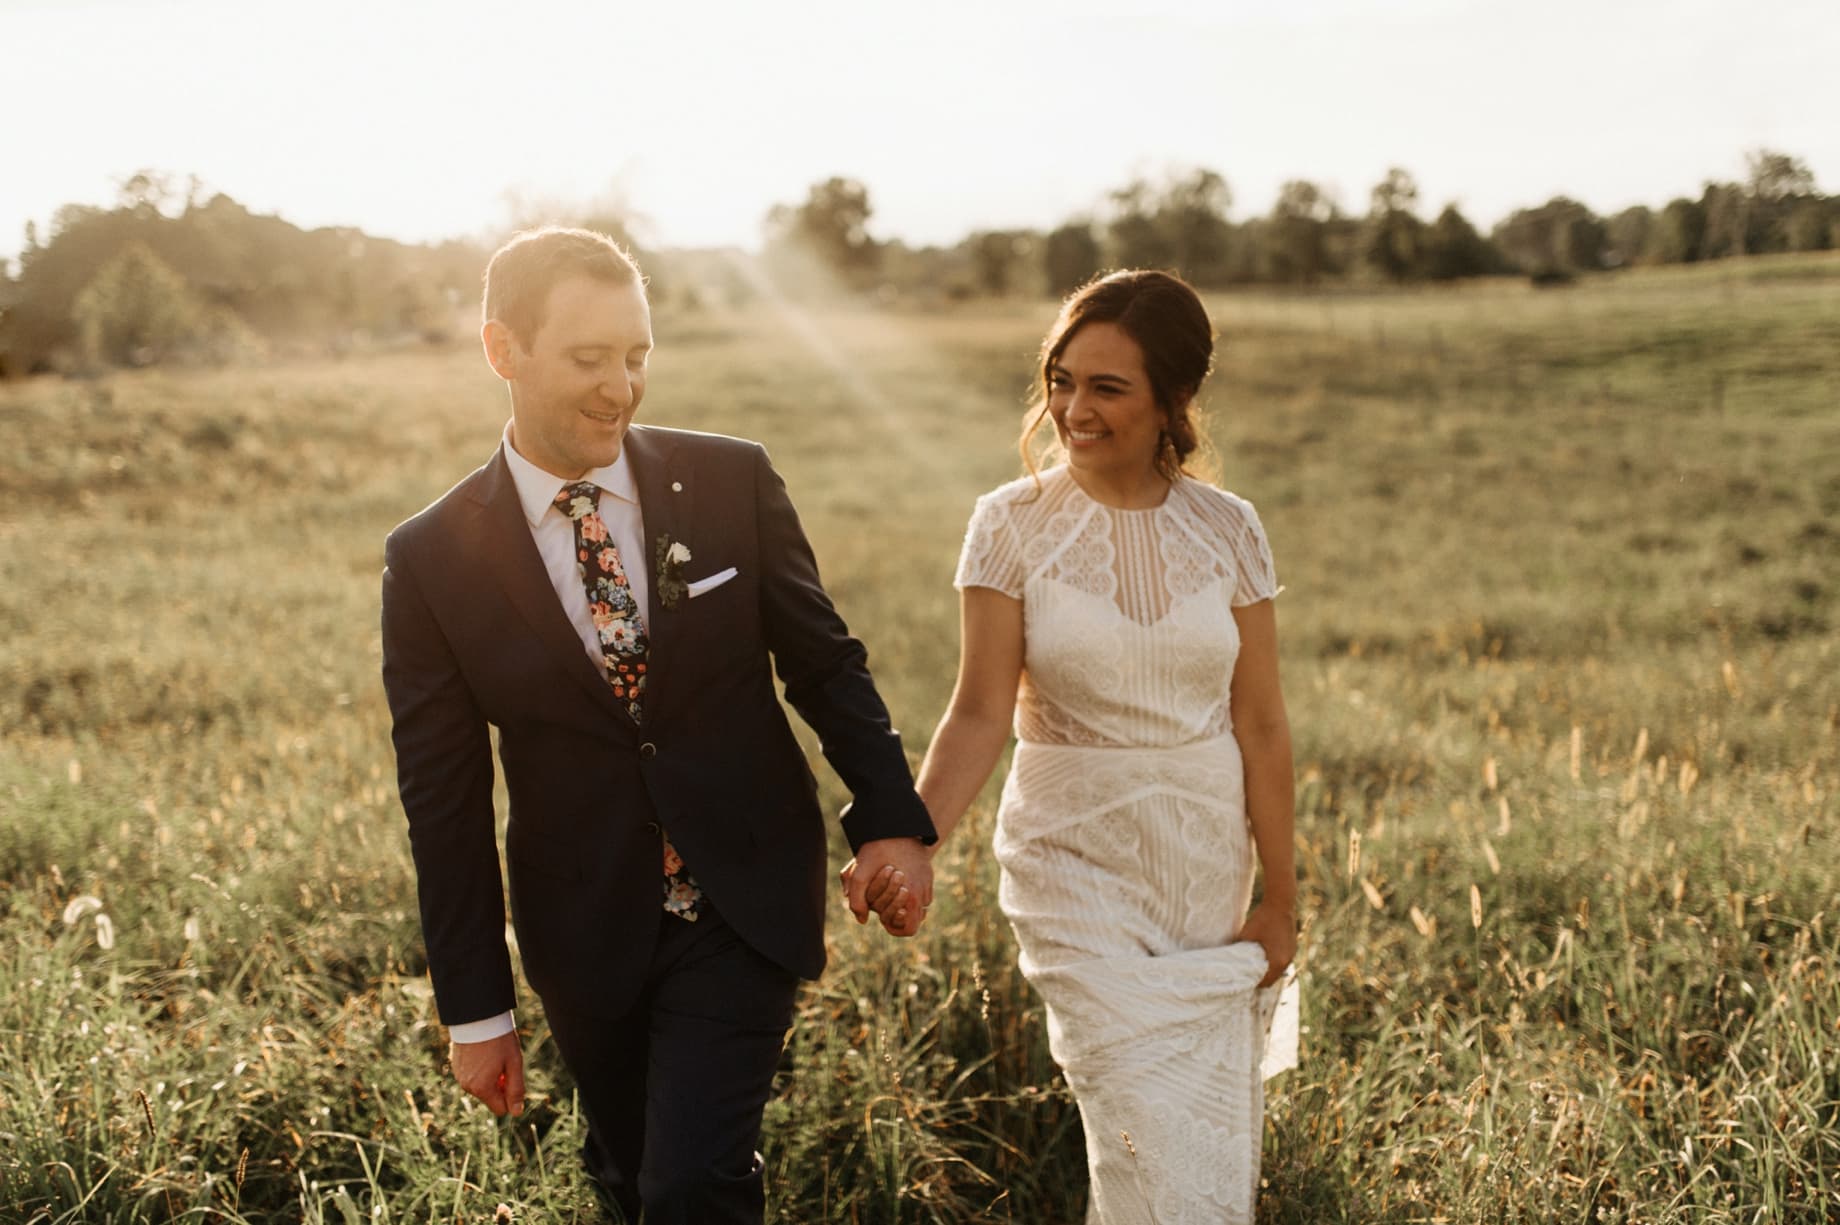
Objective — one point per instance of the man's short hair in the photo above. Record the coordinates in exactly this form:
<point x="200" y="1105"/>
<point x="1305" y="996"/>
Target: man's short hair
<point x="523" y="271"/>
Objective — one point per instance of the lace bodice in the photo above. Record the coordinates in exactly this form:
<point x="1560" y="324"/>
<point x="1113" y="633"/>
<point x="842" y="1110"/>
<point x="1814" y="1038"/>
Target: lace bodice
<point x="1129" y="637"/>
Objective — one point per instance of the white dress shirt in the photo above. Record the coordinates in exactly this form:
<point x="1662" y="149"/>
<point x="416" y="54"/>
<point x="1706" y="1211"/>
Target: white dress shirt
<point x="554" y="535"/>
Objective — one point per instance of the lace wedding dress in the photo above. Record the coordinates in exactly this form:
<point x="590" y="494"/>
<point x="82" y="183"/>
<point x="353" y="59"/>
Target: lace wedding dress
<point x="1127" y="859"/>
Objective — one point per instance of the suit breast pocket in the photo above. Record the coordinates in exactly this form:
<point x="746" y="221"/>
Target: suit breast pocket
<point x="718" y="614"/>
<point x="701" y="588"/>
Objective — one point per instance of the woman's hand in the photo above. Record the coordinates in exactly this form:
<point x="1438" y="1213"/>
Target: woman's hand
<point x="1274" y="930"/>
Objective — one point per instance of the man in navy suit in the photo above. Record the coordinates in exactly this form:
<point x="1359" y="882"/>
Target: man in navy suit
<point x="614" y="599"/>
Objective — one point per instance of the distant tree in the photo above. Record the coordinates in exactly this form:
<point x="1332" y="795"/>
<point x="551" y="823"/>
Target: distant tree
<point x="1453" y="248"/>
<point x="1780" y="187"/>
<point x="39" y="330"/>
<point x="1296" y="235"/>
<point x="1580" y="239"/>
<point x="9" y="295"/>
<point x="1726" y="208"/>
<point x="1180" y="224"/>
<point x="1678" y="233"/>
<point x="1812" y="224"/>
<point x="1192" y="216"/>
<point x="1627" y="235"/>
<point x="136" y="311"/>
<point x="1246" y="256"/>
<point x="832" y="227"/>
<point x="1134" y="233"/>
<point x="148" y="191"/>
<point x="1777" y="176"/>
<point x="1392" y="239"/>
<point x="1003" y="259"/>
<point x="1559" y="238"/>
<point x="1070" y="257"/>
<point x="926" y="273"/>
<point x="240" y="276"/>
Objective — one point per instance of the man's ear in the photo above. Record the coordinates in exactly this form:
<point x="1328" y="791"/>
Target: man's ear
<point x="501" y="349"/>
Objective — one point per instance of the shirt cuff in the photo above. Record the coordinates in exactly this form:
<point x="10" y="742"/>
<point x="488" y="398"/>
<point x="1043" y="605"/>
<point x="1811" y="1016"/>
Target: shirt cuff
<point x="482" y="1031"/>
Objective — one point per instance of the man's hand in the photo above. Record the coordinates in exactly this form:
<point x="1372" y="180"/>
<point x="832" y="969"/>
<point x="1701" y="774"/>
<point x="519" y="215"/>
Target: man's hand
<point x="894" y="878"/>
<point x="492" y="1071"/>
<point x="1276" y="931"/>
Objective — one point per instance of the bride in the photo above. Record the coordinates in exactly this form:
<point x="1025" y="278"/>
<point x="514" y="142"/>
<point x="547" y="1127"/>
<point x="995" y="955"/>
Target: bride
<point x="1119" y="610"/>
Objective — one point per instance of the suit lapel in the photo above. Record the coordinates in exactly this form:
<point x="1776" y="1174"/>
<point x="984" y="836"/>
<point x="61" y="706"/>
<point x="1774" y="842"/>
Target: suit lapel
<point x="512" y="556"/>
<point x="665" y="496"/>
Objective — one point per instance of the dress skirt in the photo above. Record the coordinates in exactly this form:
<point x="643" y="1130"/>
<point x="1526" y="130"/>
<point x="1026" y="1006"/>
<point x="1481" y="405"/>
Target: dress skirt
<point x="1126" y="873"/>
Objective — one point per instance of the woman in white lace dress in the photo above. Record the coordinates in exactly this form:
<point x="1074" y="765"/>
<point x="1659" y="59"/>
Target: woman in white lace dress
<point x="1120" y="611"/>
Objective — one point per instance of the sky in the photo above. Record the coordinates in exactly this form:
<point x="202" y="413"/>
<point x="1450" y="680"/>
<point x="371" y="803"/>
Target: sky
<point x="422" y="121"/>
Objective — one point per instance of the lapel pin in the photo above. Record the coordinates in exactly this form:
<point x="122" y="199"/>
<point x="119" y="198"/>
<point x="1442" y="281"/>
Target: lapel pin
<point x="677" y="486"/>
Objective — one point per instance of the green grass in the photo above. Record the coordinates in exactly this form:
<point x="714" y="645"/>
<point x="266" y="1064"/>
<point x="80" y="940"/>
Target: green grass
<point x="1559" y="627"/>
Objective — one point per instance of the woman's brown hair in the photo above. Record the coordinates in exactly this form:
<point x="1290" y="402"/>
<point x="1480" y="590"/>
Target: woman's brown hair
<point x="1164" y="315"/>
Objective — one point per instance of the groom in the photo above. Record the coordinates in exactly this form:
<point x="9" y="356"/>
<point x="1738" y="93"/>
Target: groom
<point x="614" y="599"/>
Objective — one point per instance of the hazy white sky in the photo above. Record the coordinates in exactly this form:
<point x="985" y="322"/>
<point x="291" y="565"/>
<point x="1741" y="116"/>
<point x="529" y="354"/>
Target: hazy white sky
<point x="414" y="119"/>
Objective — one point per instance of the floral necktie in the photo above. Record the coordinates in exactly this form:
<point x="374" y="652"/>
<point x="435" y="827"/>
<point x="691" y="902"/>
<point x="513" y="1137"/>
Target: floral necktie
<point x="624" y="645"/>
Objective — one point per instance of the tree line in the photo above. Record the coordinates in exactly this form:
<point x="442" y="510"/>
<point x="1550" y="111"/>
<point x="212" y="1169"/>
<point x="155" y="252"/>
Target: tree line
<point x="167" y="274"/>
<point x="1306" y="238"/>
<point x="170" y="274"/>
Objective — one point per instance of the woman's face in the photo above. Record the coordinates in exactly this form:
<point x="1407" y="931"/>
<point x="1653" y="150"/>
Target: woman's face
<point x="1102" y="403"/>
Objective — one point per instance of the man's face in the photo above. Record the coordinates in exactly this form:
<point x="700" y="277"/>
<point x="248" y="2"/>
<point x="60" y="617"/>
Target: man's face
<point x="575" y="389"/>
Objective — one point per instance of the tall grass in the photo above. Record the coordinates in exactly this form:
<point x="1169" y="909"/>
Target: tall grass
<point x="1560" y="650"/>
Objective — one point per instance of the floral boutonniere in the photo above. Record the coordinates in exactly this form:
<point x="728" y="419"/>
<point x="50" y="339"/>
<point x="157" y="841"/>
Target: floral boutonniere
<point x="671" y="556"/>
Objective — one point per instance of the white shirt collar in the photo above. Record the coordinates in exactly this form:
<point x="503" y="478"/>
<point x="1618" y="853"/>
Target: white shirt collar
<point x="537" y="489"/>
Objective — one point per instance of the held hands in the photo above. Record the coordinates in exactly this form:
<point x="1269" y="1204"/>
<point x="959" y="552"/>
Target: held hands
<point x="1274" y="929"/>
<point x="894" y="878"/>
<point x="492" y="1071"/>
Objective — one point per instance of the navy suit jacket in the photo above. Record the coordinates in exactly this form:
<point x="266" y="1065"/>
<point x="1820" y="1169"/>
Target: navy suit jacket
<point x="474" y="638"/>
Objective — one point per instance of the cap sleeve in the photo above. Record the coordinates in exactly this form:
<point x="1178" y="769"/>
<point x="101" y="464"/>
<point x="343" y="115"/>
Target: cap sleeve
<point x="991" y="556"/>
<point x="1257" y="577"/>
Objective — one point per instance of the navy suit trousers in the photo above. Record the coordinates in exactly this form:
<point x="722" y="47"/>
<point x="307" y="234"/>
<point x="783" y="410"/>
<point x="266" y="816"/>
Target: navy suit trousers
<point x="674" y="1088"/>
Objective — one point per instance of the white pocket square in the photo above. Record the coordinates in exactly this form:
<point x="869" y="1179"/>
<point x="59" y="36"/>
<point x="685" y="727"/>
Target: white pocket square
<point x="704" y="585"/>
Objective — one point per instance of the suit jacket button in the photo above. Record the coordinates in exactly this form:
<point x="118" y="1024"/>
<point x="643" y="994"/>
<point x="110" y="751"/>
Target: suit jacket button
<point x="648" y="750"/>
<point x="652" y="827"/>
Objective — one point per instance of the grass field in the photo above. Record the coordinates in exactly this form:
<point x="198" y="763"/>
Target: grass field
<point x="1562" y="579"/>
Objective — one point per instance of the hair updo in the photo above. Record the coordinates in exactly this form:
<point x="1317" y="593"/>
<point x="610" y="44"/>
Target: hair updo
<point x="1164" y="315"/>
